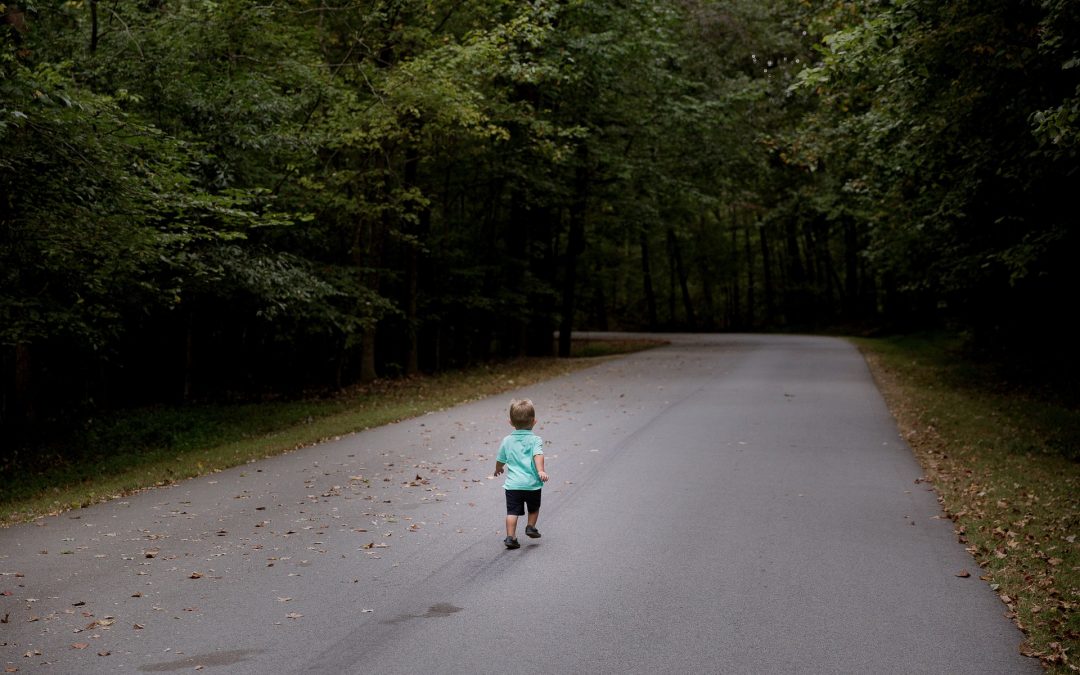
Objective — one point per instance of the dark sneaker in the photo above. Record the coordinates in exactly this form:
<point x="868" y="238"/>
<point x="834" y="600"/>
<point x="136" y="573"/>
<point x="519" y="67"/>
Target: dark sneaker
<point x="531" y="531"/>
<point x="511" y="543"/>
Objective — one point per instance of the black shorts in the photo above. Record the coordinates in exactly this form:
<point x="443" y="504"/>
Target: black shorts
<point x="517" y="500"/>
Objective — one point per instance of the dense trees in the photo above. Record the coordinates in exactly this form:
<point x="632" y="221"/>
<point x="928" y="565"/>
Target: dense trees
<point x="236" y="197"/>
<point x="937" y="118"/>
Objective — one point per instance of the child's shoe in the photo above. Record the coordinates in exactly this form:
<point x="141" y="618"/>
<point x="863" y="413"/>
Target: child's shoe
<point x="531" y="531"/>
<point x="511" y="542"/>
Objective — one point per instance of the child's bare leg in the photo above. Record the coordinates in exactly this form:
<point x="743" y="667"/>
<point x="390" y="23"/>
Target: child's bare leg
<point x="511" y="526"/>
<point x="533" y="515"/>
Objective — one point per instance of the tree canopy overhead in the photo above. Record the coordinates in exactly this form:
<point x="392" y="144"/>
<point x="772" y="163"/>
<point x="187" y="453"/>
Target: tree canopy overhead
<point x="238" y="197"/>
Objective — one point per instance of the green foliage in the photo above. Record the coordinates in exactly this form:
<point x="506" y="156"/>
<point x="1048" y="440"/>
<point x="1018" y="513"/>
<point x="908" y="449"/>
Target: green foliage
<point x="79" y="178"/>
<point x="955" y="143"/>
<point x="239" y="196"/>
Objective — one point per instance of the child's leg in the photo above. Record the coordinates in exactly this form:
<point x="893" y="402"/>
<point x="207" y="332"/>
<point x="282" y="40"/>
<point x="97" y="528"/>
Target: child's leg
<point x="511" y="525"/>
<point x="533" y="504"/>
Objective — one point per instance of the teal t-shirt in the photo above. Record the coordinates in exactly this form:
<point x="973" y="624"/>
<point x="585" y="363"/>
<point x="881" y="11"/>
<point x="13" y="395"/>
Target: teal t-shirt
<point x="517" y="452"/>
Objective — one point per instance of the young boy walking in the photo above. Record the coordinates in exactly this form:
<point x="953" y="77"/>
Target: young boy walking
<point x="522" y="455"/>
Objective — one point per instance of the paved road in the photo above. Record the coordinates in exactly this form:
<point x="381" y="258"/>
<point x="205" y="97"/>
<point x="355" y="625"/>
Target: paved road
<point x="727" y="504"/>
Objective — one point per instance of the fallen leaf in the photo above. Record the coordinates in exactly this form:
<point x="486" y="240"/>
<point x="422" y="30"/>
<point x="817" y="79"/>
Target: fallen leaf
<point x="284" y="599"/>
<point x="99" y="622"/>
<point x="293" y="615"/>
<point x="80" y="645"/>
<point x="137" y="626"/>
<point x="964" y="574"/>
<point x="103" y="653"/>
<point x="196" y="575"/>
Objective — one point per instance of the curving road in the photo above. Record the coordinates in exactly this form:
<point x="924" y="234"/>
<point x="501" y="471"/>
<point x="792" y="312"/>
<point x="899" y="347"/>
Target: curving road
<point x="726" y="504"/>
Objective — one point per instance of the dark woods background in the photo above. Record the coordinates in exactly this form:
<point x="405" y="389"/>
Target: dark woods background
<point x="222" y="199"/>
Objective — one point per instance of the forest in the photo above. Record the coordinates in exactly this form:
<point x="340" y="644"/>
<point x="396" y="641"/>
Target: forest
<point x="227" y="199"/>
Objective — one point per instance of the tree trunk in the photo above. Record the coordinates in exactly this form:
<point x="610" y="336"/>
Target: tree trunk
<point x="646" y="279"/>
<point x="749" y="277"/>
<point x="676" y="256"/>
<point x="671" y="320"/>
<point x="368" y="258"/>
<point x="367" y="253"/>
<point x="412" y="319"/>
<point x="412" y="270"/>
<point x="574" y="247"/>
<point x="93" y="25"/>
<point x="701" y="257"/>
<point x="814" y="282"/>
<point x="796" y="304"/>
<point x="736" y="310"/>
<point x="367" y="354"/>
<point x="851" y="269"/>
<point x="599" y="301"/>
<point x="189" y="357"/>
<point x="766" y="273"/>
<point x="23" y="408"/>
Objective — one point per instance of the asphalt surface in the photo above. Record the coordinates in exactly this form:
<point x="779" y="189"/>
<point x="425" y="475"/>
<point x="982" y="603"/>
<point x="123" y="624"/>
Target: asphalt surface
<point x="726" y="504"/>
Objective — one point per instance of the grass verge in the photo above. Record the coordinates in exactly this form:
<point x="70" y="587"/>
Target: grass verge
<point x="1005" y="462"/>
<point x="138" y="449"/>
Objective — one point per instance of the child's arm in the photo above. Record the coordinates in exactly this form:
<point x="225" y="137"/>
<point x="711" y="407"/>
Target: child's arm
<point x="498" y="467"/>
<point x="539" y="459"/>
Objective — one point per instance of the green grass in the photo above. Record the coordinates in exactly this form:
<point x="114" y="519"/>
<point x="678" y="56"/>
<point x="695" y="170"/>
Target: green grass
<point x="137" y="449"/>
<point x="587" y="348"/>
<point x="1005" y="460"/>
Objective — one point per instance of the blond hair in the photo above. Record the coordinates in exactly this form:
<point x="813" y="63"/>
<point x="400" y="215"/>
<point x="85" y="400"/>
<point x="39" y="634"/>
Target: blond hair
<point x="522" y="413"/>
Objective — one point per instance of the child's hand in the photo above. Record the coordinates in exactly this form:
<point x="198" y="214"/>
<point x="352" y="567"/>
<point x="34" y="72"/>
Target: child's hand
<point x="543" y="477"/>
<point x="498" y="470"/>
